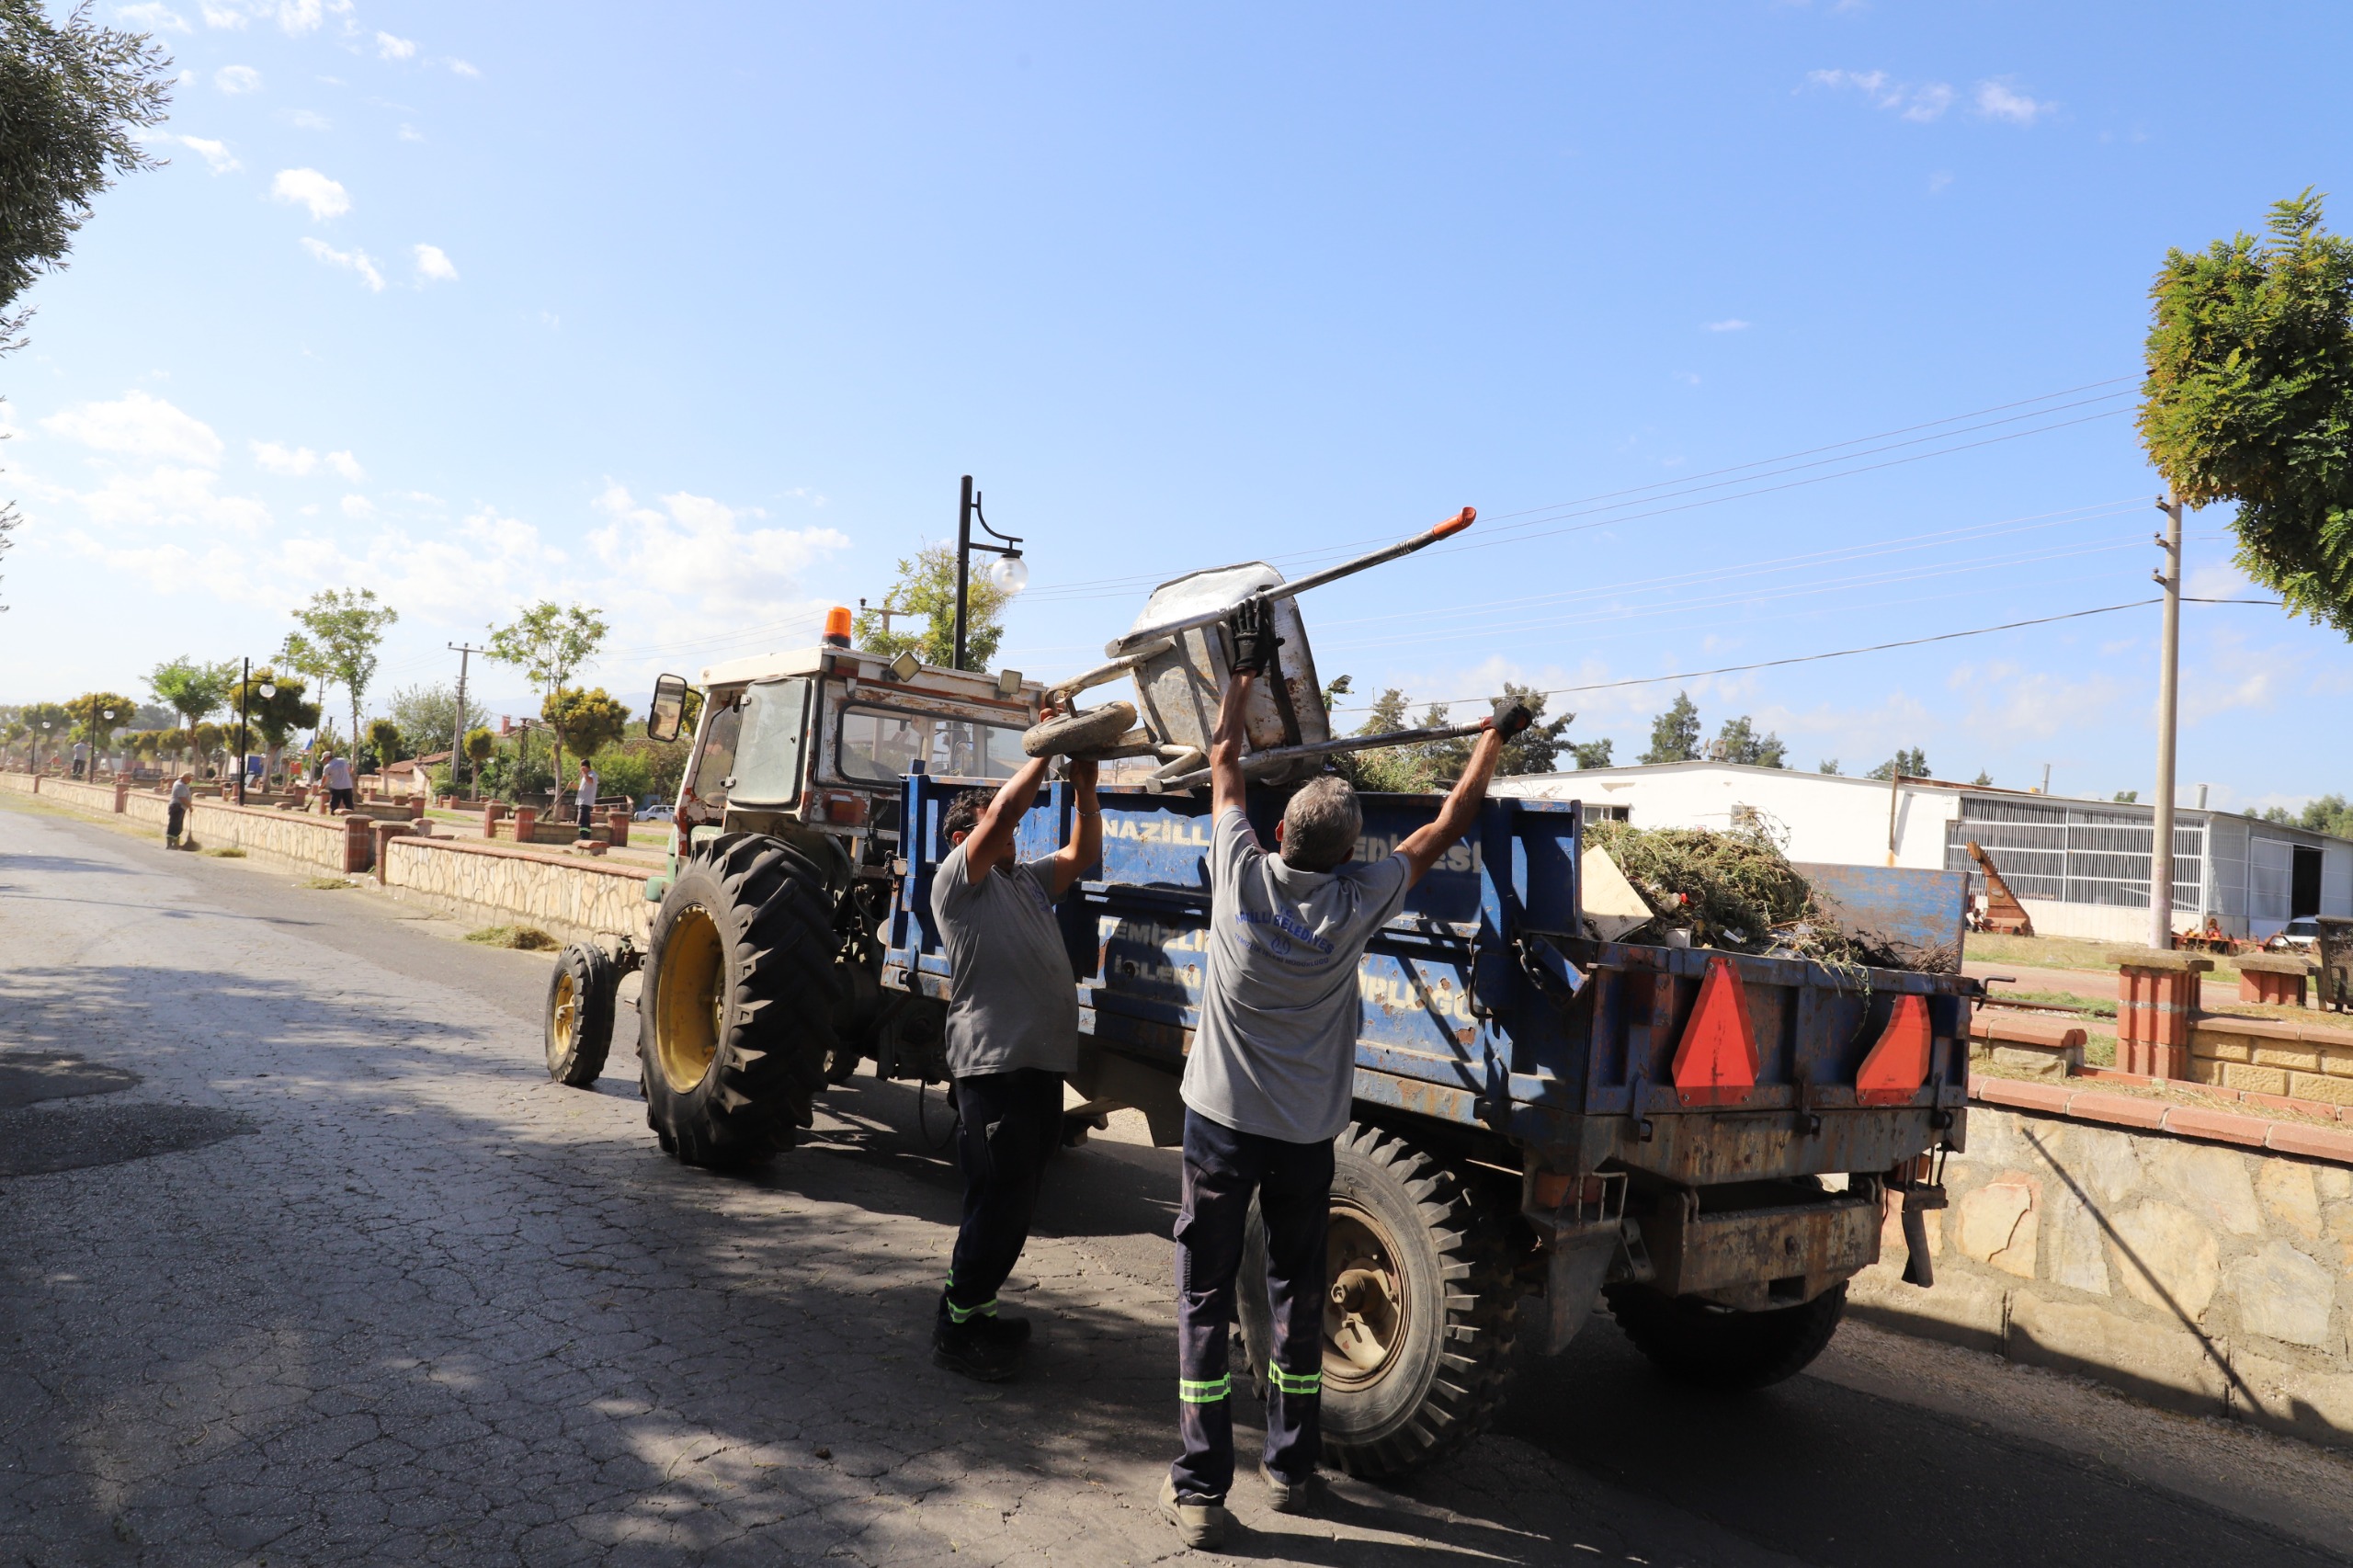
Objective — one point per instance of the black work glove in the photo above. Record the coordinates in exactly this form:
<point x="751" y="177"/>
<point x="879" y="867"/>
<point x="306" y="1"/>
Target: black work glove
<point x="1252" y="627"/>
<point x="1511" y="717"/>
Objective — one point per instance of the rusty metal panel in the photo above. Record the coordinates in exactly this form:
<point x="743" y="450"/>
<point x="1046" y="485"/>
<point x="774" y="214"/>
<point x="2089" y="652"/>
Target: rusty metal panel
<point x="1698" y="1254"/>
<point x="1919" y="915"/>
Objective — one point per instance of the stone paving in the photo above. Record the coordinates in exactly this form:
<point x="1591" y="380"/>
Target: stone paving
<point x="302" y="1260"/>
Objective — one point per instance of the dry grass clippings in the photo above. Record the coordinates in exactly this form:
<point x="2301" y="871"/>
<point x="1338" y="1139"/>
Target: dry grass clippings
<point x="527" y="939"/>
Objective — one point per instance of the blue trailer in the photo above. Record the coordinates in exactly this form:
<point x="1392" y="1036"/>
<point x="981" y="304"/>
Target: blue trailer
<point x="1708" y="1140"/>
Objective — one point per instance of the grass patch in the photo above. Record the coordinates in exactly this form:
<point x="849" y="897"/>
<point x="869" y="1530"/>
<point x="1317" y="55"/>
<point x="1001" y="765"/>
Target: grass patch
<point x="527" y="938"/>
<point x="2073" y="1002"/>
<point x="226" y="852"/>
<point x="329" y="884"/>
<point x="2063" y="952"/>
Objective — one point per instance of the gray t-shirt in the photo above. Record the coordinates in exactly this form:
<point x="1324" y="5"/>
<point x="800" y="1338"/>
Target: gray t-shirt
<point x="1012" y="1000"/>
<point x="1275" y="1051"/>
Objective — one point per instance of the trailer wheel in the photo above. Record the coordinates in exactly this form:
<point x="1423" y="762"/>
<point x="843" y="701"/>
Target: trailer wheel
<point x="1078" y="734"/>
<point x="580" y="1014"/>
<point x="1695" y="1342"/>
<point x="1419" y="1311"/>
<point x="734" y="1022"/>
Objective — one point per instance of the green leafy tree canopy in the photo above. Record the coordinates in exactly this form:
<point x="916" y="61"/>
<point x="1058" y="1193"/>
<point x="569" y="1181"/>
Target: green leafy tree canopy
<point x="342" y="631"/>
<point x="585" y="722"/>
<point x="925" y="596"/>
<point x="1592" y="753"/>
<point x="192" y="688"/>
<point x="275" y="717"/>
<point x="1674" y="734"/>
<point x="1911" y="762"/>
<point x="2250" y="399"/>
<point x="428" y="717"/>
<point x="90" y="711"/>
<point x="1739" y="741"/>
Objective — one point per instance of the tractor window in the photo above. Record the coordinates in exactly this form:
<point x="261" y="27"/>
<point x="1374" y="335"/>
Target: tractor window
<point x="768" y="758"/>
<point x="714" y="762"/>
<point x="878" y="746"/>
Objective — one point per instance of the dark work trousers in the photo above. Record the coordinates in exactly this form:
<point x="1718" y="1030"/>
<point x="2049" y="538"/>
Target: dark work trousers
<point x="174" y="816"/>
<point x="1293" y="1181"/>
<point x="1009" y="1126"/>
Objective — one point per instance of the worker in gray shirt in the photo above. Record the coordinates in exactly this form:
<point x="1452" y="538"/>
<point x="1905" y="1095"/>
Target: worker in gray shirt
<point x="1012" y="1034"/>
<point x="1269" y="1081"/>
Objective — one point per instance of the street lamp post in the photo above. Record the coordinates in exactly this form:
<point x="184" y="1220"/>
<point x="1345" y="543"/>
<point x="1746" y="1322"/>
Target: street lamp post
<point x="1008" y="572"/>
<point x="45" y="726"/>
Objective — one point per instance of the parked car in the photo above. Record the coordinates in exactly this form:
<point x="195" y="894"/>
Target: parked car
<point x="2302" y="932"/>
<point x="660" y="811"/>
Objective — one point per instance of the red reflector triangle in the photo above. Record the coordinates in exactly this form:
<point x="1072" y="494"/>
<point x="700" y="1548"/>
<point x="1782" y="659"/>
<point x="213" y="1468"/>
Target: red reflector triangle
<point x="1715" y="1062"/>
<point x="1898" y="1064"/>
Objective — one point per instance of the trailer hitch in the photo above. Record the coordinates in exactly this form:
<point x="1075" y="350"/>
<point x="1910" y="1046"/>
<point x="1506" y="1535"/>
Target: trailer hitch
<point x="1921" y="1180"/>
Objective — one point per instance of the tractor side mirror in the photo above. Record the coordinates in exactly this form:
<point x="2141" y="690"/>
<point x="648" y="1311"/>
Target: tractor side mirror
<point x="670" y="709"/>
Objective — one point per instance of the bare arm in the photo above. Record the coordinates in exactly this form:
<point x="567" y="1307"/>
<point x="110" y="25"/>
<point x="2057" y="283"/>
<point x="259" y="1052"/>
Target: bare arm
<point x="993" y="834"/>
<point x="1227" y="787"/>
<point x="1085" y="850"/>
<point x="1425" y="844"/>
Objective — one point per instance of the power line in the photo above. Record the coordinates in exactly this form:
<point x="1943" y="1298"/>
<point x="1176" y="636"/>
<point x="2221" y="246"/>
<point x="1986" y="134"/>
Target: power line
<point x="1850" y="652"/>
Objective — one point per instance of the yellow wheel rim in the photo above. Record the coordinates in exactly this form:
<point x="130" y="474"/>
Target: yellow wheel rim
<point x="1367" y="1316"/>
<point x="563" y="1019"/>
<point x="688" y="1016"/>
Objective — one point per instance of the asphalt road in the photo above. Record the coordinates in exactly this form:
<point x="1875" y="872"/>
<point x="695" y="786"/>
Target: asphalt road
<point x="304" y="1260"/>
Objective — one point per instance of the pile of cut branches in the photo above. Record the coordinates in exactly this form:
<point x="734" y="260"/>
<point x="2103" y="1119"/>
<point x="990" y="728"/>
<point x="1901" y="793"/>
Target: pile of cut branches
<point x="1732" y="890"/>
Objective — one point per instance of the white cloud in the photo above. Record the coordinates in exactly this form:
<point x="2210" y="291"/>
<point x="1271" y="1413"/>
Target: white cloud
<point x="238" y="79"/>
<point x="391" y="48"/>
<point x="410" y="133"/>
<point x="308" y="187"/>
<point x="271" y="457"/>
<point x="462" y="69"/>
<point x="163" y="18"/>
<point x="1730" y="324"/>
<point x="216" y="154"/>
<point x="1924" y="102"/>
<point x="347" y="466"/>
<point x="296" y="18"/>
<point x="692" y="552"/>
<point x="217" y="16"/>
<point x="354" y="259"/>
<point x="1997" y="100"/>
<point x="309" y="119"/>
<point x="172" y="498"/>
<point x="433" y="265"/>
<point x="358" y="507"/>
<point x="139" y="425"/>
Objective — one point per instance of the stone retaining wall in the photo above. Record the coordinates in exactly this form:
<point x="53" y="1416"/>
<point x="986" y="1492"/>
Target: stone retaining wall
<point x="2214" y="1279"/>
<point x="571" y="897"/>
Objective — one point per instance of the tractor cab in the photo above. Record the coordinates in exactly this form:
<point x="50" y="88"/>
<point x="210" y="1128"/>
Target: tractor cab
<point x="812" y="747"/>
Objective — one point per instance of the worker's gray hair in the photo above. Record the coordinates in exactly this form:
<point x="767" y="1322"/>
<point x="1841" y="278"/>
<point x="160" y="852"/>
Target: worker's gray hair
<point x="1321" y="826"/>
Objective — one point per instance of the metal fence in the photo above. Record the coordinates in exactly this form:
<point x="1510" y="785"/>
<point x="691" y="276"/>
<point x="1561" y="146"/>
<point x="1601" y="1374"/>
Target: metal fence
<point x="2074" y="854"/>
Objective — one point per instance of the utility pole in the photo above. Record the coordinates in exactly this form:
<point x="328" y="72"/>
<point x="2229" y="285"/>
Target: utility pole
<point x="2046" y="779"/>
<point x="458" y="724"/>
<point x="2168" y="691"/>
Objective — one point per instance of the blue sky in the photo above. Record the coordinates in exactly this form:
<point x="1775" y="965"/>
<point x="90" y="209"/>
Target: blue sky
<point x="697" y="313"/>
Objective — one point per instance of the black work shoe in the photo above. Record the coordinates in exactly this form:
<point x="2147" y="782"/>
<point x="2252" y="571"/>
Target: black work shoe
<point x="1285" y="1496"/>
<point x="962" y="1347"/>
<point x="1201" y="1521"/>
<point x="1012" y="1331"/>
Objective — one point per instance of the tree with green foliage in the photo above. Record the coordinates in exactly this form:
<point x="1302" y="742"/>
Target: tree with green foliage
<point x="480" y="743"/>
<point x="1912" y="763"/>
<point x="48" y="725"/>
<point x="343" y="630"/>
<point x="275" y="717"/>
<point x="548" y="642"/>
<point x="1674" y="734"/>
<point x="91" y="725"/>
<point x="2250" y="399"/>
<point x="192" y="688"/>
<point x="1592" y="753"/>
<point x="1983" y="778"/>
<point x="384" y="741"/>
<point x="1828" y="765"/>
<point x="428" y="717"/>
<point x="1738" y="741"/>
<point x="1537" y="748"/>
<point x="2127" y="797"/>
<point x="587" y="721"/>
<point x="925" y="592"/>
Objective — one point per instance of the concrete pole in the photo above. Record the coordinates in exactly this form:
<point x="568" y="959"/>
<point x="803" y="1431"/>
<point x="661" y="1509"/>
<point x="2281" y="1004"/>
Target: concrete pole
<point x="2169" y="708"/>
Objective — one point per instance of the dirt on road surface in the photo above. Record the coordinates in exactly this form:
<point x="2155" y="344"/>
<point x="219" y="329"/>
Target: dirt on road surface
<point x="304" y="1260"/>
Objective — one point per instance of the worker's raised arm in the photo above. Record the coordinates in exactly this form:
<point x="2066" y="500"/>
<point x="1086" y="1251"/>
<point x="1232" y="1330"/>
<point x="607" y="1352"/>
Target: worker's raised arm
<point x="1252" y="630"/>
<point x="1423" y="847"/>
<point x="1085" y="850"/>
<point x="993" y="835"/>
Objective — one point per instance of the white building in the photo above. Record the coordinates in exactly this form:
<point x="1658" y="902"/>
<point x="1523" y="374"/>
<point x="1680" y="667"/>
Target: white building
<point x="2081" y="867"/>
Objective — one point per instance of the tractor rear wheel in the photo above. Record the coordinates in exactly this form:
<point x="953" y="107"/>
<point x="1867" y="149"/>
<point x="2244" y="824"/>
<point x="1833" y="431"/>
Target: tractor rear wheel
<point x="580" y="1014"/>
<point x="734" y="1022"/>
<point x="1420" y="1303"/>
<point x="1696" y="1342"/>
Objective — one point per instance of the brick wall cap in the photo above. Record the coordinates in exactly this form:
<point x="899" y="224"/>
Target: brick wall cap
<point x="2122" y="1110"/>
<point x="2271" y="1028"/>
<point x="2313" y="1142"/>
<point x="508" y="852"/>
<point x="2275" y="963"/>
<point x="2026" y="1029"/>
<point x="2154" y="958"/>
<point x="2223" y="1125"/>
